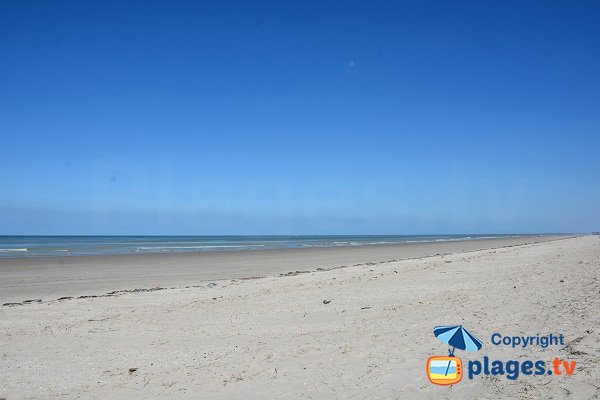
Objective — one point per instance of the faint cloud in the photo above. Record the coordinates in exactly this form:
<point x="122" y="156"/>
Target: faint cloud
<point x="350" y="64"/>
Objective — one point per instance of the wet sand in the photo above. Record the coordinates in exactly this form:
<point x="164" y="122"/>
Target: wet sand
<point x="50" y="278"/>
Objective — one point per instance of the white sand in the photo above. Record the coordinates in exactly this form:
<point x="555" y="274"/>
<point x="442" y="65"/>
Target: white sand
<point x="274" y="338"/>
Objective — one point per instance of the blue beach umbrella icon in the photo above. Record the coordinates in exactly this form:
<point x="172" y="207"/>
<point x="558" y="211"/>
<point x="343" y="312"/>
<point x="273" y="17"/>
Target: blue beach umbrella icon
<point x="457" y="337"/>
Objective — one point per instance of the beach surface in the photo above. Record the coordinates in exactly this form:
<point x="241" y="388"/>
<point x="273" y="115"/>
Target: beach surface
<point x="354" y="332"/>
<point x="48" y="278"/>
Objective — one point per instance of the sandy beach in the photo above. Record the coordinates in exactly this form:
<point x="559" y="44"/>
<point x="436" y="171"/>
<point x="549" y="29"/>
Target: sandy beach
<point x="364" y="331"/>
<point x="49" y="278"/>
<point x="299" y="200"/>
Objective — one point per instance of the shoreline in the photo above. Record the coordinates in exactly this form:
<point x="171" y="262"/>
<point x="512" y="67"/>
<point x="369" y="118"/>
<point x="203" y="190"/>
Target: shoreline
<point x="49" y="278"/>
<point x="16" y="247"/>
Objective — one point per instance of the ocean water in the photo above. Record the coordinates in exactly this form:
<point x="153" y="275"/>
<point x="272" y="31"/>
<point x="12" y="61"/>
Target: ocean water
<point x="37" y="246"/>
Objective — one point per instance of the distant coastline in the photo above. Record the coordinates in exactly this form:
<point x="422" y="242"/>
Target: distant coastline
<point x="54" y="277"/>
<point x="60" y="246"/>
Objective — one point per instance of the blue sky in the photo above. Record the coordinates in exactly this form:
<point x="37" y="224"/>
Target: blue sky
<point x="122" y="117"/>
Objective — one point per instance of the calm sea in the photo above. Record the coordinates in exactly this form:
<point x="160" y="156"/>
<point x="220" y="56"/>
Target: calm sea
<point x="36" y="246"/>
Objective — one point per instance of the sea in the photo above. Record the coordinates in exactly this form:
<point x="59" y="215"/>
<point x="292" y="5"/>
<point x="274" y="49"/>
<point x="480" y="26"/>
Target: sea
<point x="40" y="246"/>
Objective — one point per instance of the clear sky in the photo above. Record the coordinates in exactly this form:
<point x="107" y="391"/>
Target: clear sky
<point x="166" y="117"/>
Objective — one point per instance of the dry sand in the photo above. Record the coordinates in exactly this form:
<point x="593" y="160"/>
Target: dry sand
<point x="275" y="338"/>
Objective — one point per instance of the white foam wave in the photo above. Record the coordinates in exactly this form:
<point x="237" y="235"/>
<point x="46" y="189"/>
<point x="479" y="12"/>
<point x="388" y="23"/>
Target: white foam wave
<point x="12" y="250"/>
<point x="197" y="247"/>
